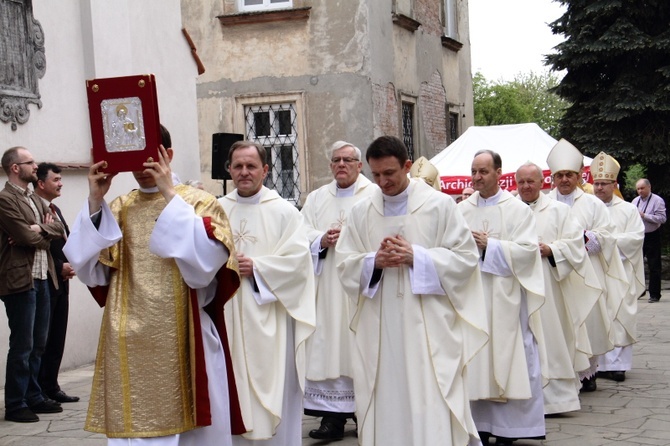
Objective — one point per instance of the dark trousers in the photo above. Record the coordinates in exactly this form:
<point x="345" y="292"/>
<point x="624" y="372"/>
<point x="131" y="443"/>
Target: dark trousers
<point x="28" y="318"/>
<point x="53" y="354"/>
<point x="652" y="251"/>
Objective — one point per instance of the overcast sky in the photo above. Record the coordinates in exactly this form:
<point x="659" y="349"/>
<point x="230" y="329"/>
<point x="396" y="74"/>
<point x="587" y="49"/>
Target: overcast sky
<point x="511" y="36"/>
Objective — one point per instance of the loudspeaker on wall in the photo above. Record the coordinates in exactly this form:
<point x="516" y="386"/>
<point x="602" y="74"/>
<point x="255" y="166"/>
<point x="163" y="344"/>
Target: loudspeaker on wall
<point x="221" y="143"/>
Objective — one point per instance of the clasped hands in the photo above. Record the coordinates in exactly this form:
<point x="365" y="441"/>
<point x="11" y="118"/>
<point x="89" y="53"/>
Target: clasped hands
<point x="330" y="237"/>
<point x="394" y="252"/>
<point x="481" y="239"/>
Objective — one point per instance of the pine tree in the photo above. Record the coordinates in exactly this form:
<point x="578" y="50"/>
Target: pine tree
<point x="616" y="55"/>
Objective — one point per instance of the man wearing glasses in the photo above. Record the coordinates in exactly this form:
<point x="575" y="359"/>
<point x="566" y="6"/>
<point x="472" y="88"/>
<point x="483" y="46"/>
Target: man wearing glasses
<point x="329" y="389"/>
<point x="629" y="234"/>
<point x="26" y="230"/>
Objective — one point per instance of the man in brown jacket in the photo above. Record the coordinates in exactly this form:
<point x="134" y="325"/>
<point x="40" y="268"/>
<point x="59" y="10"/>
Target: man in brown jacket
<point x="26" y="229"/>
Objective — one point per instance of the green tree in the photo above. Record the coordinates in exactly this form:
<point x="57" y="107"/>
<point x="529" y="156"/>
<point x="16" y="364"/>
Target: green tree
<point x="527" y="98"/>
<point x="547" y="108"/>
<point x="616" y="55"/>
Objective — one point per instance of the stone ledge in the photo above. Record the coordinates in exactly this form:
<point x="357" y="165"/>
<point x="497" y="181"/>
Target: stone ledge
<point x="279" y="15"/>
<point x="406" y="22"/>
<point x="451" y="44"/>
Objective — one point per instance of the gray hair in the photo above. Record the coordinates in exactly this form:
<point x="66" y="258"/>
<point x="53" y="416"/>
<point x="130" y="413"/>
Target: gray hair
<point x="337" y="145"/>
<point x="540" y="173"/>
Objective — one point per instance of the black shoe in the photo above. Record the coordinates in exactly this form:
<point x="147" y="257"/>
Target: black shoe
<point x="22" y="415"/>
<point x="500" y="441"/>
<point x="616" y="375"/>
<point x="47" y="406"/>
<point x="330" y="429"/>
<point x="653" y="299"/>
<point x="589" y="384"/>
<point x="62" y="397"/>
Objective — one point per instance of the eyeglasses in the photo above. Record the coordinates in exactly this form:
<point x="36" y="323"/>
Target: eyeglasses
<point x="31" y="162"/>
<point x="346" y="160"/>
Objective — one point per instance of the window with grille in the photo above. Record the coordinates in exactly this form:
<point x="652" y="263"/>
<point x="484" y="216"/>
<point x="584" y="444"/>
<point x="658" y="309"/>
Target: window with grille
<point x="408" y="128"/>
<point x="274" y="127"/>
<point x="261" y="5"/>
<point x="453" y="127"/>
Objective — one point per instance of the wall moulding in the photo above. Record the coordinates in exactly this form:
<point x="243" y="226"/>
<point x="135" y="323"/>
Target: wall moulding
<point x="23" y="61"/>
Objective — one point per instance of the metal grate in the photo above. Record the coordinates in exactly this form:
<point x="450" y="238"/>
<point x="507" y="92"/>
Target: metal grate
<point x="453" y="127"/>
<point x="408" y="128"/>
<point x="274" y="126"/>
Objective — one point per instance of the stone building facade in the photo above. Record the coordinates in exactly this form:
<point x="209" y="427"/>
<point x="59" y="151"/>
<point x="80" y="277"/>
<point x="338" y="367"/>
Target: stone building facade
<point x="297" y="75"/>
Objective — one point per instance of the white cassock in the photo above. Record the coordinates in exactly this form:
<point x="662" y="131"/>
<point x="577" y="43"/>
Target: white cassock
<point x="180" y="234"/>
<point x="329" y="385"/>
<point x="417" y="327"/>
<point x="593" y="217"/>
<point x="505" y="378"/>
<point x="267" y="328"/>
<point x="629" y="235"/>
<point x="571" y="291"/>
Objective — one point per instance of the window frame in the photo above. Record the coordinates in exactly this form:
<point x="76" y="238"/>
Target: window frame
<point x="451" y="19"/>
<point x="244" y="102"/>
<point x="265" y="6"/>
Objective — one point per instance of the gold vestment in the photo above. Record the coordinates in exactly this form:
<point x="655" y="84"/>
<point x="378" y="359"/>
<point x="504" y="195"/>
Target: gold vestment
<point x="145" y="372"/>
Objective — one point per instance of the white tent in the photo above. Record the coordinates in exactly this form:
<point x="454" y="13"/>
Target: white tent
<point x="516" y="144"/>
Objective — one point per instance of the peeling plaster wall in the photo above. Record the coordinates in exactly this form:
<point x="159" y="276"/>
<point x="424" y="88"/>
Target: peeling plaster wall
<point x="348" y="61"/>
<point x="323" y="58"/>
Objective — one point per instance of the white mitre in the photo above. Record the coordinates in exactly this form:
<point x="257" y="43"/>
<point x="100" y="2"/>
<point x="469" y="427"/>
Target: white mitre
<point x="565" y="156"/>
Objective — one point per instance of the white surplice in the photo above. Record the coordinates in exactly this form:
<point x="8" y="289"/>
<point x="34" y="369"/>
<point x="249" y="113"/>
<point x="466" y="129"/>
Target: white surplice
<point x="329" y="385"/>
<point x="267" y="328"/>
<point x="505" y="377"/>
<point x="417" y="327"/>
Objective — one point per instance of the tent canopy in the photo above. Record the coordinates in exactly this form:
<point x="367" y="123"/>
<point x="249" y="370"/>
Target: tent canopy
<point x="516" y="144"/>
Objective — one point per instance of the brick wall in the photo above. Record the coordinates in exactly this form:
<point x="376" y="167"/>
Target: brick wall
<point x="433" y="115"/>
<point x="385" y="110"/>
<point x="429" y="14"/>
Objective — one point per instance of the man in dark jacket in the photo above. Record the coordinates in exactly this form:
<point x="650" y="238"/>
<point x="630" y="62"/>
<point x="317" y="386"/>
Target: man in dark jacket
<point x="48" y="187"/>
<point x="26" y="229"/>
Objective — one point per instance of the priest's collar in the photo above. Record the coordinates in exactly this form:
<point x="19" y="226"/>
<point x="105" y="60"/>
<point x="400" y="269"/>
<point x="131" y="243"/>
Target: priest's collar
<point x="491" y="201"/>
<point x="345" y="191"/>
<point x="395" y="205"/>
<point x="567" y="199"/>
<point x="254" y="199"/>
<point x="532" y="203"/>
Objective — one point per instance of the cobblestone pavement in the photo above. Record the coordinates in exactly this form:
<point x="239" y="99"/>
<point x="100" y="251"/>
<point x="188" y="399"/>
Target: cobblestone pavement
<point x="633" y="412"/>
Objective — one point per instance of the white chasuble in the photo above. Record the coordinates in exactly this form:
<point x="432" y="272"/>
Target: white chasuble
<point x="571" y="292"/>
<point x="328" y="355"/>
<point x="268" y="339"/>
<point x="592" y="215"/>
<point x="499" y="371"/>
<point x="411" y="349"/>
<point x="629" y="235"/>
<point x="329" y="385"/>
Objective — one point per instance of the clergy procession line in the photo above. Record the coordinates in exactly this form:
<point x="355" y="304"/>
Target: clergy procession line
<point x="384" y="303"/>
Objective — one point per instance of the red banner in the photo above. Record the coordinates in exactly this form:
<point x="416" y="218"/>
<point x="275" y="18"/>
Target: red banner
<point x="454" y="185"/>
